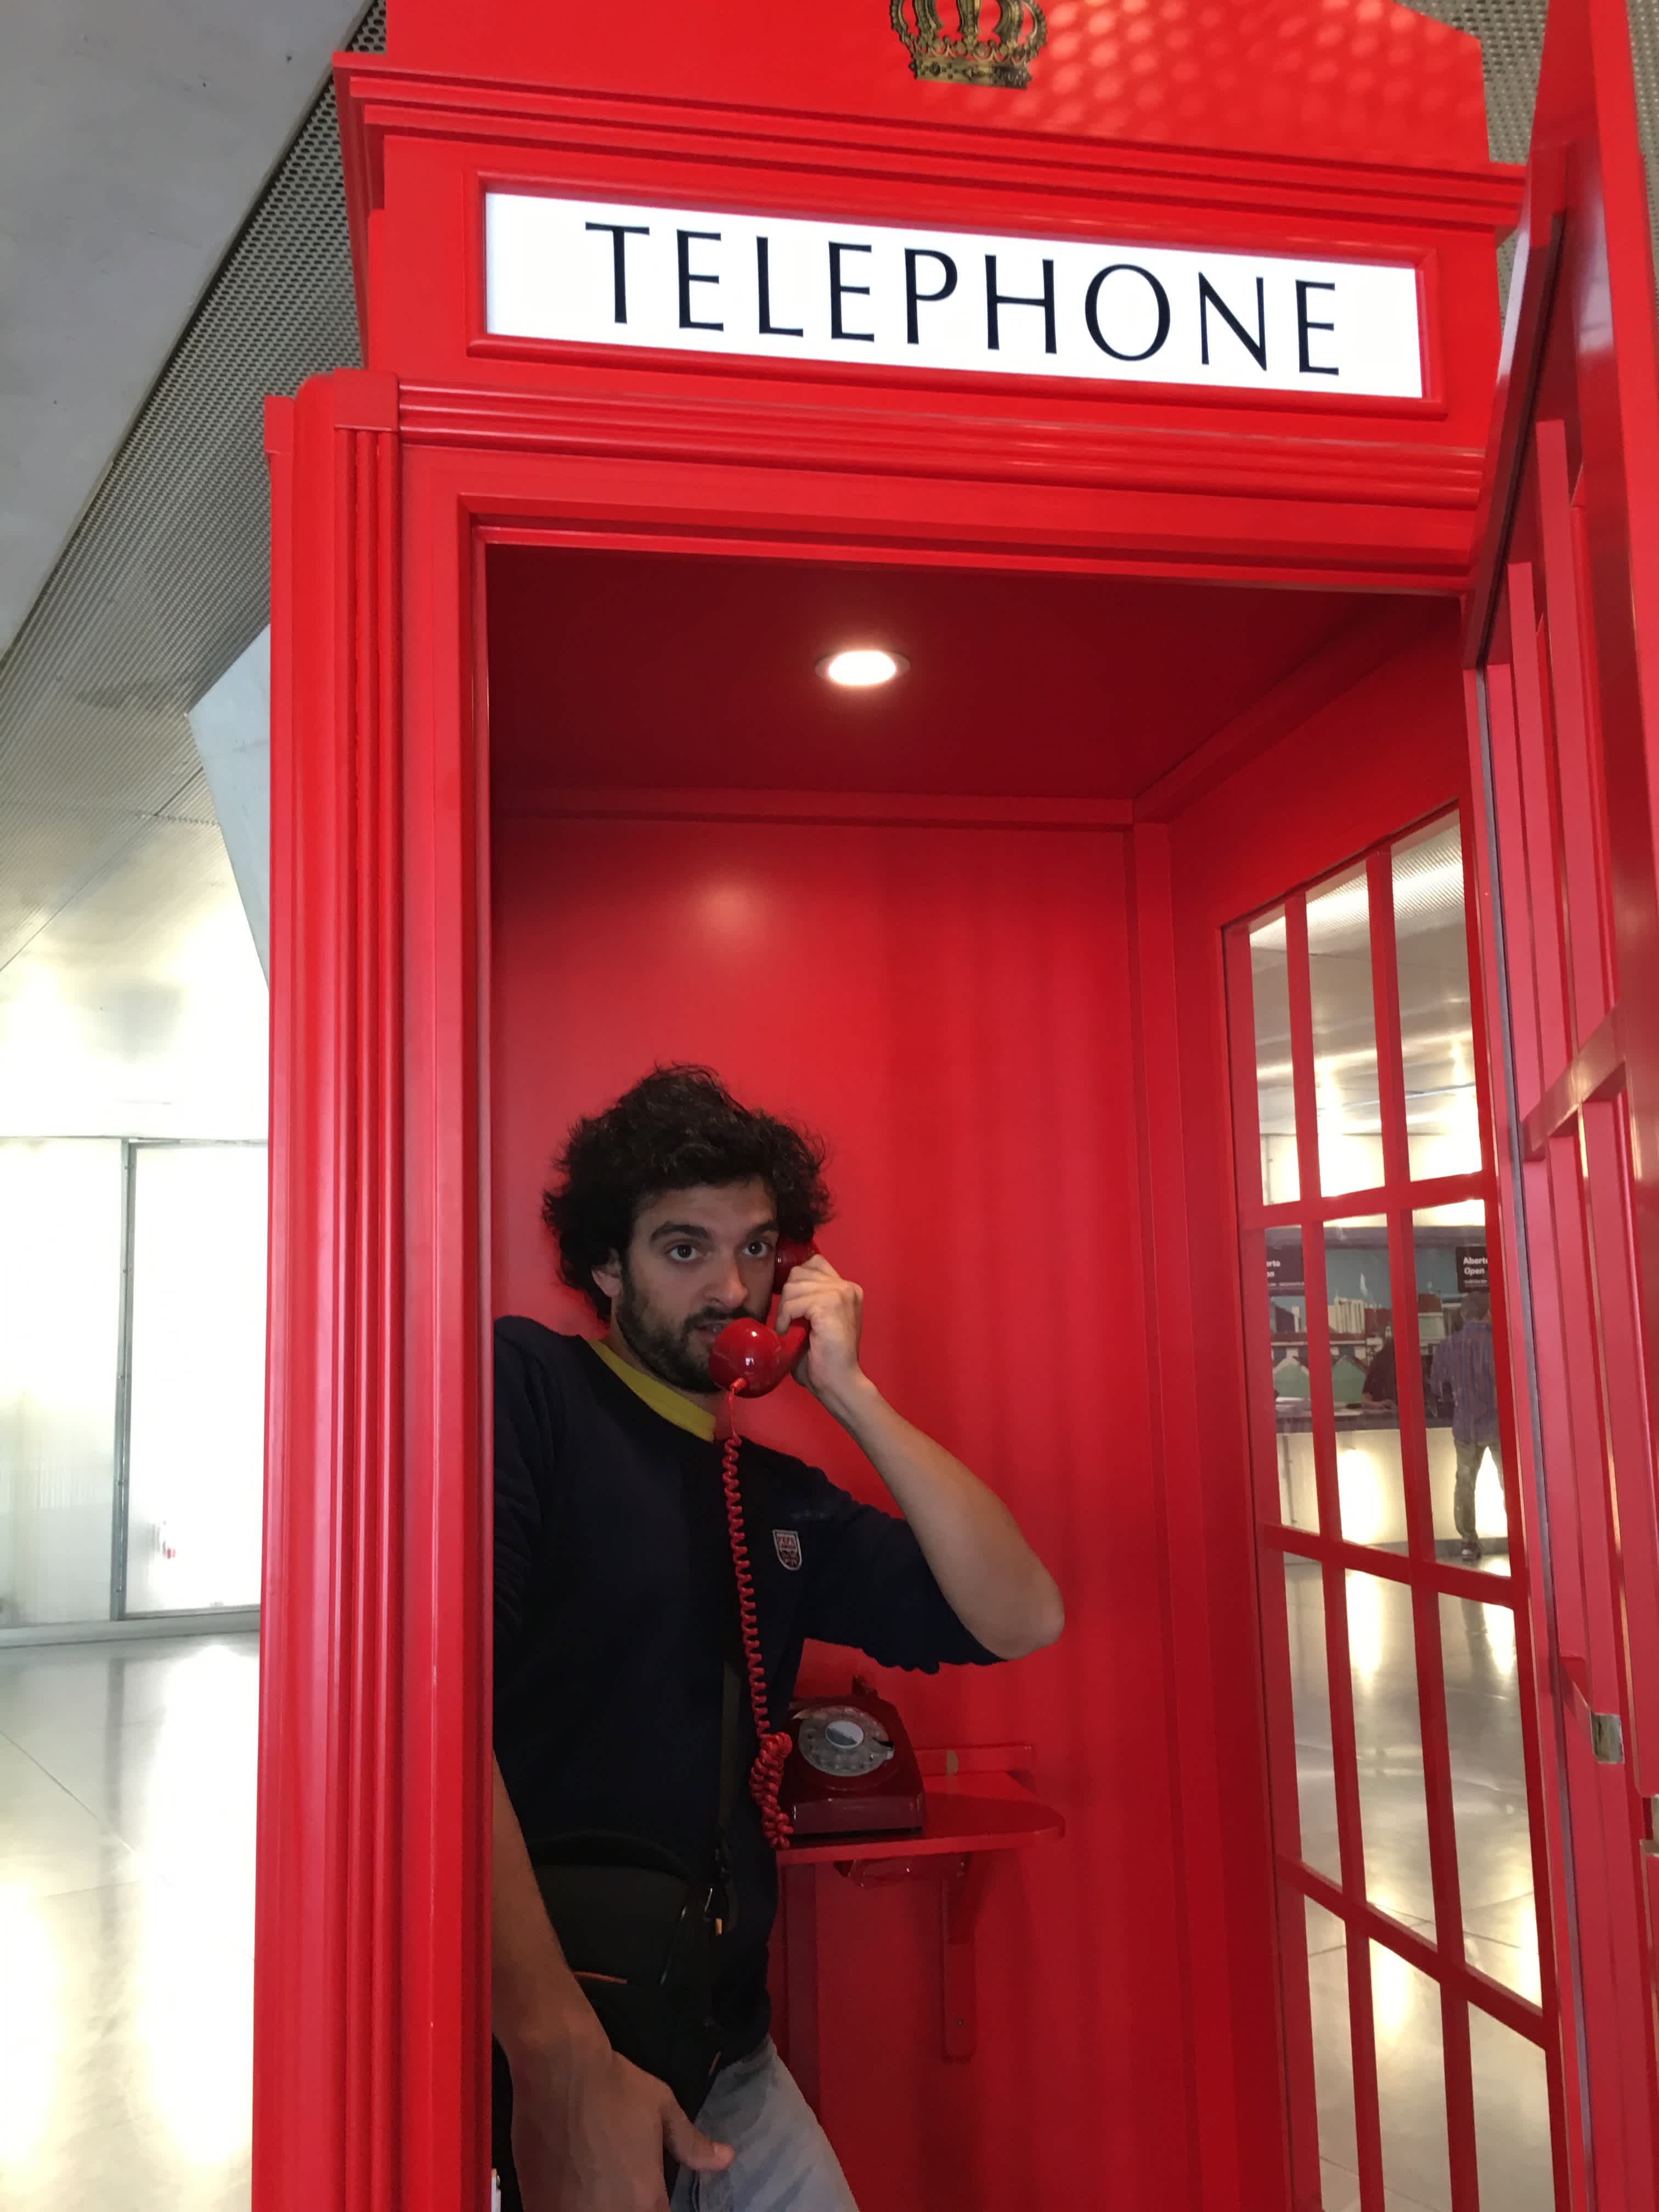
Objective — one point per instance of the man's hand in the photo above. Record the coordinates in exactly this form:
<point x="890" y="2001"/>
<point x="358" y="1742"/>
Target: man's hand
<point x="590" y="2132"/>
<point x="833" y="1310"/>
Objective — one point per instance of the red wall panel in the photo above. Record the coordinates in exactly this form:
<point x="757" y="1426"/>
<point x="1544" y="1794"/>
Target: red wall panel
<point x="951" y="1008"/>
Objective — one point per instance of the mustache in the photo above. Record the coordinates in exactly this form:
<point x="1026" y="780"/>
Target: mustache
<point x="717" y="1316"/>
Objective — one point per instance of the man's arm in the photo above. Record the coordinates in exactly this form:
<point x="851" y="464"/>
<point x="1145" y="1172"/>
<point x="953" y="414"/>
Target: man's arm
<point x="992" y="1579"/>
<point x="589" y="2131"/>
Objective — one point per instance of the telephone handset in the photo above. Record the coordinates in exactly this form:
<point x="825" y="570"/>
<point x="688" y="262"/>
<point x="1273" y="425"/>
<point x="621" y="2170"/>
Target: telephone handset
<point x="750" y="1356"/>
<point x="851" y="1770"/>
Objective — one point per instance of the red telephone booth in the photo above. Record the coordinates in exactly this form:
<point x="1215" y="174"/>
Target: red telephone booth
<point x="1135" y="385"/>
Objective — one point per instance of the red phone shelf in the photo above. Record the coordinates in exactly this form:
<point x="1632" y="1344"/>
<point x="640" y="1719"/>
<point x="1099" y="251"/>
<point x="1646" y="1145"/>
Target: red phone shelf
<point x="970" y="1812"/>
<point x="976" y="1806"/>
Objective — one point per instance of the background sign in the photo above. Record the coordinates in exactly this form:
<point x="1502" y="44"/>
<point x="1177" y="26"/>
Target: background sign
<point x="695" y="281"/>
<point x="1284" y="1274"/>
<point x="1470" y="1269"/>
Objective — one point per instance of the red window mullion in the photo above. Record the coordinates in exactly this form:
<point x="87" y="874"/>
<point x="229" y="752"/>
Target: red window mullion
<point x="1445" y="1579"/>
<point x="1529" y="2020"/>
<point x="1522" y="1590"/>
<point x="1438" y="1190"/>
<point x="1583" y="858"/>
<point x="1284" y="1801"/>
<point x="1419" y="1524"/>
<point x="1367" y="2125"/>
<point x="1538" y="797"/>
<point x="1608" y="1177"/>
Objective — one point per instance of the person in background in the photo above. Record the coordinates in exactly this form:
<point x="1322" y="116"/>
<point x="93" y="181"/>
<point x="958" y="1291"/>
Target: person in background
<point x="1291" y="1378"/>
<point x="1381" y="1386"/>
<point x="1465" y="1364"/>
<point x="1347" y="1377"/>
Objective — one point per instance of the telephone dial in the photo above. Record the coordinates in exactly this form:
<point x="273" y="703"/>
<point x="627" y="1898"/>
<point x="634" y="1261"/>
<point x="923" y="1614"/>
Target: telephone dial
<point x="851" y="1770"/>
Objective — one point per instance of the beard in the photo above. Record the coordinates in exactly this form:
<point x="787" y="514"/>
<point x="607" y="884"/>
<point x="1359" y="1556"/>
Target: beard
<point x="674" y="1352"/>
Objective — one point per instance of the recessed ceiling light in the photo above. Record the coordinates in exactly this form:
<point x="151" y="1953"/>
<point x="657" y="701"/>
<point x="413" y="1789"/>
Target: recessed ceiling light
<point x="859" y="667"/>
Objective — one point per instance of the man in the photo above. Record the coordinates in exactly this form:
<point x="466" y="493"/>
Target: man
<point x="1465" y="1364"/>
<point x="1382" y="1377"/>
<point x="615" y="1618"/>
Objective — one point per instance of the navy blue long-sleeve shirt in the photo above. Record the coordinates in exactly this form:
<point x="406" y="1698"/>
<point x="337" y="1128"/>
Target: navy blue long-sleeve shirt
<point x="615" y="1611"/>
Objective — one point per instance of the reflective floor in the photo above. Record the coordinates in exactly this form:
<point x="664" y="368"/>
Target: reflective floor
<point x="126" y="1904"/>
<point x="1495" y="1877"/>
<point x="126" y="1924"/>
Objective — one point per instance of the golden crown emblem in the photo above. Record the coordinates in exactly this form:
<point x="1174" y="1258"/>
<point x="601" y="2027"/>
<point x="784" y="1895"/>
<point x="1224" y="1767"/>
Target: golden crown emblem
<point x="1004" y="58"/>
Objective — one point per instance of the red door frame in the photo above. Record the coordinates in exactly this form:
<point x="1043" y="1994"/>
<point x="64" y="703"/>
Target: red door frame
<point x="371" y="2012"/>
<point x="1562" y="634"/>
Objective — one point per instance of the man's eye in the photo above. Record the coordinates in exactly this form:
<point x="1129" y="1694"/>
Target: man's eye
<point x="682" y="1251"/>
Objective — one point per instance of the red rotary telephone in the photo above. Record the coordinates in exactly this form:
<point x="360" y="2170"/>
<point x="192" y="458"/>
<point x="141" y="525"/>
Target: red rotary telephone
<point x="748" y="1356"/>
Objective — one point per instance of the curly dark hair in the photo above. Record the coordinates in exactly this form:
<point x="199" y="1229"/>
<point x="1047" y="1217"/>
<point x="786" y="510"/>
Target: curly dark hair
<point x="677" y="1126"/>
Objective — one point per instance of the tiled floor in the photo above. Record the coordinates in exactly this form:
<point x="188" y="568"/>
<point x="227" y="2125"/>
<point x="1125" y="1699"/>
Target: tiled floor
<point x="126" y="1924"/>
<point x="126" y="1877"/>
<point x="1495" y="1875"/>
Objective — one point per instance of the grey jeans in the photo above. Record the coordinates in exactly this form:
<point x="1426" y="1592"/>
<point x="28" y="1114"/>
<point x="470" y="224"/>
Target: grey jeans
<point x="784" y="2162"/>
<point x="1469" y="1458"/>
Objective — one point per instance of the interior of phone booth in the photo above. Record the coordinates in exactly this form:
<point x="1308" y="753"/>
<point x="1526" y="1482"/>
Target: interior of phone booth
<point x="908" y="916"/>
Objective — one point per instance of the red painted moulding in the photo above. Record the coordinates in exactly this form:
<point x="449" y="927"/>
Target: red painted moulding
<point x="369" y="2032"/>
<point x="1352" y="78"/>
<point x="1165" y="478"/>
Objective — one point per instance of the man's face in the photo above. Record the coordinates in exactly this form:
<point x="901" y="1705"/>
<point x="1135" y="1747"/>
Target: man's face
<point x="697" y="1258"/>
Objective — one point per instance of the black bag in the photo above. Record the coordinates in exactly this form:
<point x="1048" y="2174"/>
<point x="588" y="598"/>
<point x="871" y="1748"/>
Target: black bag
<point x="639" y="1930"/>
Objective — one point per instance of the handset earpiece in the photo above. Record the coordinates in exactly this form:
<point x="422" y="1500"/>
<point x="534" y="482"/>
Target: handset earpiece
<point x="748" y="1355"/>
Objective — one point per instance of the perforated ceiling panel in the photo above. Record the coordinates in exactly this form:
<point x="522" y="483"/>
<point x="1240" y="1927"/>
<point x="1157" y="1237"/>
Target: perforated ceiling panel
<point x="164" y="581"/>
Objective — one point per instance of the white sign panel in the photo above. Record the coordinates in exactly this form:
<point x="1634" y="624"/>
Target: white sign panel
<point x="599" y="273"/>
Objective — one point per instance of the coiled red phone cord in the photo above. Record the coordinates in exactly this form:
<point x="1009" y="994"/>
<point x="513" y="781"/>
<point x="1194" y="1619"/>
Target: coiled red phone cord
<point x="767" y="1773"/>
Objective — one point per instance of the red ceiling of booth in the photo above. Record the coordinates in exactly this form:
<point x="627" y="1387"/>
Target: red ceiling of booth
<point x="657" y="670"/>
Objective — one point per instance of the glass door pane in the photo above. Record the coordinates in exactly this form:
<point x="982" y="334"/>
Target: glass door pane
<point x="60" y="1334"/>
<point x="196" y="1455"/>
<point x="1418" y="2039"/>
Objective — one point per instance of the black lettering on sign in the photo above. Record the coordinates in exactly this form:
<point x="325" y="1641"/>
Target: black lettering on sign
<point x="1303" y="326"/>
<point x="620" y="234"/>
<point x="1208" y="297"/>
<point x="838" y="286"/>
<point x="995" y="300"/>
<point x="688" y="276"/>
<point x="913" y="299"/>
<point x="768" y="329"/>
<point x="1091" y="310"/>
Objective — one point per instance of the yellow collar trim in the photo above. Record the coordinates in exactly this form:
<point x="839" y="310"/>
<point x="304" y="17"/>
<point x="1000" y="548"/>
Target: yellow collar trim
<point x="662" y="1397"/>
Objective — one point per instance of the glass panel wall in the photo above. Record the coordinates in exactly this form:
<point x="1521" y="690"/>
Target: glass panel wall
<point x="196" y="1448"/>
<point x="60" y="1314"/>
<point x="146" y="1262"/>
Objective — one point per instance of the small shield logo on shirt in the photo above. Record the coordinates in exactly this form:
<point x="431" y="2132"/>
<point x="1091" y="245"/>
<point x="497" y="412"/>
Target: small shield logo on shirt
<point x="787" y="1544"/>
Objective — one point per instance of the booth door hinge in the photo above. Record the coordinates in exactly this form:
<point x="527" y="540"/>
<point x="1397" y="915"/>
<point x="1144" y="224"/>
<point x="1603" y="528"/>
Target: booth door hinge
<point x="1608" y="1738"/>
<point x="1606" y="1730"/>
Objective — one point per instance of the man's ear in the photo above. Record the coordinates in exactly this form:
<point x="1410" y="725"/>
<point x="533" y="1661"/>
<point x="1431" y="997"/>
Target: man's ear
<point x="607" y="1276"/>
